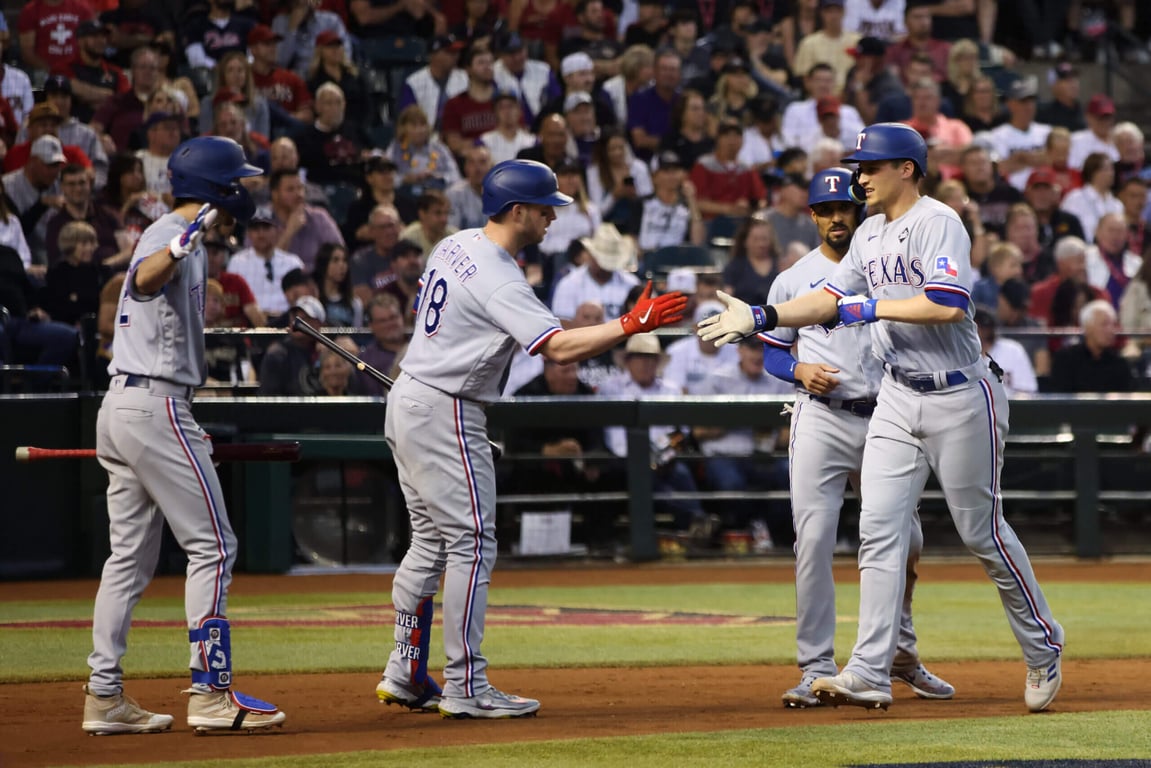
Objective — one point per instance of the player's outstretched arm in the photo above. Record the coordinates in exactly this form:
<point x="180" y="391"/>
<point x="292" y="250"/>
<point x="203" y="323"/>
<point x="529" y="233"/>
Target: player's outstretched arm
<point x="919" y="310"/>
<point x="157" y="268"/>
<point x="741" y="319"/>
<point x="649" y="313"/>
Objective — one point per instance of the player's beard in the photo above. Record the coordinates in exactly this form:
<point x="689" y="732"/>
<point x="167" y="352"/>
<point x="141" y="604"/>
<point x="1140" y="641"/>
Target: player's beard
<point x="839" y="239"/>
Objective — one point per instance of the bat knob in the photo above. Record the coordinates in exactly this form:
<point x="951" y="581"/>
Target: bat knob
<point x="22" y="453"/>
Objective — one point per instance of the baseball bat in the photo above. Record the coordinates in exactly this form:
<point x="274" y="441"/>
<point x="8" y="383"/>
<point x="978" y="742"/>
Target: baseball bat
<point x="220" y="452"/>
<point x="387" y="381"/>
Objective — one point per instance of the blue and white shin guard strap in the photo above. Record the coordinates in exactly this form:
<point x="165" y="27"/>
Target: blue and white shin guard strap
<point x="413" y="642"/>
<point x="215" y="641"/>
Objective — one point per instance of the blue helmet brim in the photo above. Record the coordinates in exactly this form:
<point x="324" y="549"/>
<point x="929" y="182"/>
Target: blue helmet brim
<point x="556" y="198"/>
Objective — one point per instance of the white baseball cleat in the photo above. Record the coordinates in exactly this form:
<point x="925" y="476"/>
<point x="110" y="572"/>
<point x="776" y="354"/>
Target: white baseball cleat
<point x="231" y="711"/>
<point x="848" y="688"/>
<point x="104" y="715"/>
<point x="489" y="704"/>
<point x="1042" y="685"/>
<point x="925" y="684"/>
<point x="801" y="697"/>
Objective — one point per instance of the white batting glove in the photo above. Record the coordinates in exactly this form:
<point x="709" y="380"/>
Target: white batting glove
<point x="731" y="325"/>
<point x="183" y="244"/>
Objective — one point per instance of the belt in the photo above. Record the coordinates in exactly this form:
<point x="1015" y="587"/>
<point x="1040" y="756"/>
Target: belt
<point x="935" y="381"/>
<point x="157" y="386"/>
<point x="861" y="407"/>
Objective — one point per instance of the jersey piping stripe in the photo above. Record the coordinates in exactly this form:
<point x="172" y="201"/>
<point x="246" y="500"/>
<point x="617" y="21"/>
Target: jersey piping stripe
<point x="834" y="291"/>
<point x="542" y="339"/>
<point x="949" y="287"/>
<point x="997" y="515"/>
<point x="213" y="510"/>
<point x="767" y="338"/>
<point x="477" y="554"/>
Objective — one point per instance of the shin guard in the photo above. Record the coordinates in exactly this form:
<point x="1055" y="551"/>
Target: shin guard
<point x="413" y="638"/>
<point x="215" y="641"/>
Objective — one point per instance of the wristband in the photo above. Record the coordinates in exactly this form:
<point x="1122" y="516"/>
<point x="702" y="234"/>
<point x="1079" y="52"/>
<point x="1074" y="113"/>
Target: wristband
<point x="765" y="318"/>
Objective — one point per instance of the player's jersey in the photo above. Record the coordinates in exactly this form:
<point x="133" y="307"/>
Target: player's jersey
<point x="925" y="249"/>
<point x="162" y="336"/>
<point x="848" y="349"/>
<point x="474" y="307"/>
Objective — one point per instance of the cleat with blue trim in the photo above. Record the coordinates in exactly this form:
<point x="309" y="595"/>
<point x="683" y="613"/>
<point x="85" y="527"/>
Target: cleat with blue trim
<point x="230" y="711"/>
<point x="925" y="684"/>
<point x="1042" y="685"/>
<point x="412" y="697"/>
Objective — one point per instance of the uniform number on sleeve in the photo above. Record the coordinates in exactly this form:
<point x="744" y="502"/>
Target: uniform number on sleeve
<point x="435" y="298"/>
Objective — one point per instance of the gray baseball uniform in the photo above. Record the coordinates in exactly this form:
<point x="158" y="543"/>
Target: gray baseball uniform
<point x="938" y="409"/>
<point x="826" y="449"/>
<point x="474" y="307"/>
<point x="158" y="459"/>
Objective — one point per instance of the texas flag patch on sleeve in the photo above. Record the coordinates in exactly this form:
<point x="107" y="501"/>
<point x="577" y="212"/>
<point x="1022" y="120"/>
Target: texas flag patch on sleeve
<point x="943" y="264"/>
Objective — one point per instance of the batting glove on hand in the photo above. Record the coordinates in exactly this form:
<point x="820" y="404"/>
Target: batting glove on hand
<point x="183" y="244"/>
<point x="649" y="314"/>
<point x="856" y="310"/>
<point x="738" y="320"/>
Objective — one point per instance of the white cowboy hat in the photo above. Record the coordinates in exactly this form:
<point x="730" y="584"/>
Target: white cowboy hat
<point x="611" y="250"/>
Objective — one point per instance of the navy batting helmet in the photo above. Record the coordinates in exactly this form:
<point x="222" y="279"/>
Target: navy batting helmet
<point x="890" y="141"/>
<point x="520" y="181"/>
<point x="208" y="169"/>
<point x="829" y="186"/>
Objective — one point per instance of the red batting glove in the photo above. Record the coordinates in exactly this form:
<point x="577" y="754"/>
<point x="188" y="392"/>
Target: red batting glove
<point x="649" y="314"/>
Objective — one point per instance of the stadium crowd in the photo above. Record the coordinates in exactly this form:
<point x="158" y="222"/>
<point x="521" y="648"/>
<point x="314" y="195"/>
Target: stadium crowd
<point x="686" y="131"/>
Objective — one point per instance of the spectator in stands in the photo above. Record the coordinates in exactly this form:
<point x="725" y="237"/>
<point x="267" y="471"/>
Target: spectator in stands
<point x="1042" y="194"/>
<point x="43" y="120"/>
<point x="372" y="264"/>
<point x="76" y="190"/>
<point x="12" y="236"/>
<point x="616" y="176"/>
<point x="332" y="63"/>
<point x="72" y="132"/>
<point x="981" y="110"/>
<point x="1004" y="263"/>
<point x="122" y="114"/>
<point x="283" y="156"/>
<point x="917" y="19"/>
<point x="379" y="18"/>
<point x="869" y="82"/>
<point x="1135" y="303"/>
<point x="1132" y="193"/>
<point x="1110" y="264"/>
<point x="671" y="215"/>
<point x="946" y="137"/>
<point x="234" y="78"/>
<point x="508" y="138"/>
<point x="1092" y="201"/>
<point x="1133" y="159"/>
<point x="684" y="39"/>
<point x="289" y="367"/>
<point x="386" y="349"/>
<point x="126" y="198"/>
<point x="790" y="218"/>
<point x="529" y="81"/>
<point x="831" y="126"/>
<point x="962" y="72"/>
<point x="421" y="161"/>
<point x="1096" y="137"/>
<point x="431" y="224"/>
<point x="168" y="100"/>
<point x="690" y="360"/>
<point x="162" y="130"/>
<point x="986" y="188"/>
<point x="1013" y="312"/>
<point x="227" y="357"/>
<point x="334" y="287"/>
<point x="303" y="228"/>
<point x="762" y="140"/>
<point x="430" y="87"/>
<point x="481" y="18"/>
<point x="1093" y="365"/>
<point x="754" y="261"/>
<point x="330" y="148"/>
<point x="305" y="29"/>
<point x="1070" y="267"/>
<point x="578" y="73"/>
<point x="606" y="278"/>
<point x="263" y="265"/>
<point x="133" y="23"/>
<point x="801" y="119"/>
<point x="465" y="201"/>
<point x="379" y="189"/>
<point x="882" y="19"/>
<point x="336" y="374"/>
<point x="690" y="134"/>
<point x="593" y="33"/>
<point x="1009" y="355"/>
<point x="1064" y="108"/>
<point x="555" y="148"/>
<point x="649" y="108"/>
<point x="170" y="77"/>
<point x="686" y="281"/>
<point x="580" y="115"/>
<point x="952" y="194"/>
<point x="636" y="70"/>
<point x="34" y="191"/>
<point x="295" y="284"/>
<point x="1020" y="142"/>
<point x="72" y="286"/>
<point x="16" y="89"/>
<point x="29" y="335"/>
<point x="228" y="121"/>
<point x="828" y="44"/>
<point x="642" y="358"/>
<point x="287" y="95"/>
<point x="724" y="186"/>
<point x="94" y="78"/>
<point x="240" y="307"/>
<point x="581" y="219"/>
<point x="1022" y="231"/>
<point x="650" y="26"/>
<point x="404" y="281"/>
<point x="221" y="30"/>
<point x="1058" y="150"/>
<point x="48" y="30"/>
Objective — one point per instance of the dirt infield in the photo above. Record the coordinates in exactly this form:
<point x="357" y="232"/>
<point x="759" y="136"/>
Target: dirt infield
<point x="339" y="713"/>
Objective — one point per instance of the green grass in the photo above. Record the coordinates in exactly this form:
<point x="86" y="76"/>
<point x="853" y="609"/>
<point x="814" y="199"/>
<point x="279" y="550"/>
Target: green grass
<point x="955" y="621"/>
<point x="1102" y="735"/>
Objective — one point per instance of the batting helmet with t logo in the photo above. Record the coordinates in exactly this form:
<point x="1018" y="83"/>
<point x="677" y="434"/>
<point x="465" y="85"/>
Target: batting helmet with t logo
<point x="830" y="186"/>
<point x="520" y="181"/>
<point x="208" y="169"/>
<point x="890" y="141"/>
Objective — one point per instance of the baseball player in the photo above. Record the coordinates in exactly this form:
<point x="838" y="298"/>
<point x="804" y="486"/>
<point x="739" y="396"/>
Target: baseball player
<point x="837" y="379"/>
<point x="474" y="308"/>
<point x="941" y="407"/>
<point x="159" y="461"/>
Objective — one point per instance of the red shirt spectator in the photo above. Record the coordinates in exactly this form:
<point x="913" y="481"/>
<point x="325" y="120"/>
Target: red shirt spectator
<point x="278" y="85"/>
<point x="43" y="119"/>
<point x="723" y="185"/>
<point x="471" y="114"/>
<point x="917" y="18"/>
<point x="48" y="32"/>
<point x="9" y="126"/>
<point x="94" y="78"/>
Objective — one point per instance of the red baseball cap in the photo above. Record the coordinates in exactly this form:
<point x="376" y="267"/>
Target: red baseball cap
<point x="1100" y="105"/>
<point x="1043" y="176"/>
<point x="329" y="37"/>
<point x="829" y="105"/>
<point x="262" y="33"/>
